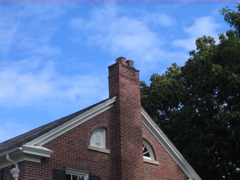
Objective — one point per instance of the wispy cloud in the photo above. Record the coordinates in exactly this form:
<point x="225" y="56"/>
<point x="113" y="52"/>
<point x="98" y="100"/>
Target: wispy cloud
<point x="33" y="81"/>
<point x="115" y="31"/>
<point x="161" y="19"/>
<point x="202" y="26"/>
<point x="29" y="27"/>
<point x="8" y="29"/>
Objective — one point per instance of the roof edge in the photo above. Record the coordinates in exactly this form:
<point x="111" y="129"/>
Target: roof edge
<point x="168" y="145"/>
<point x="76" y="121"/>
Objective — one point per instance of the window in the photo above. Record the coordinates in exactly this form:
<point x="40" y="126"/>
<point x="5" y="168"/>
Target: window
<point x="98" y="141"/>
<point x="148" y="151"/>
<point x="70" y="174"/>
<point x="75" y="175"/>
<point x="98" y="138"/>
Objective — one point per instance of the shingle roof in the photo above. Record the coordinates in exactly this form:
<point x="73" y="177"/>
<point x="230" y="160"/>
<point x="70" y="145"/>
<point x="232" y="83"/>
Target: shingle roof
<point x="30" y="135"/>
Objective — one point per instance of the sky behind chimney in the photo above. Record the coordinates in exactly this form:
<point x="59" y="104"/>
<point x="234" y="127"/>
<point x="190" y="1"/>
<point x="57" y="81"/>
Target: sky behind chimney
<point x="54" y="54"/>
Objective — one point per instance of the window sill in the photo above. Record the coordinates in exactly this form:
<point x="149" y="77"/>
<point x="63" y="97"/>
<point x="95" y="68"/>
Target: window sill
<point x="106" y="151"/>
<point x="150" y="161"/>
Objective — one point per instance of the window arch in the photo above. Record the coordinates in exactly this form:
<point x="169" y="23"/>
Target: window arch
<point x="98" y="138"/>
<point x="148" y="152"/>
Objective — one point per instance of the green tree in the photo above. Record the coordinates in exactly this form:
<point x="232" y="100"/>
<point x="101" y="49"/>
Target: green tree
<point x="198" y="105"/>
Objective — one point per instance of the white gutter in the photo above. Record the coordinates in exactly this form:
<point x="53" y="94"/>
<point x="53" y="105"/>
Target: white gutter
<point x="14" y="171"/>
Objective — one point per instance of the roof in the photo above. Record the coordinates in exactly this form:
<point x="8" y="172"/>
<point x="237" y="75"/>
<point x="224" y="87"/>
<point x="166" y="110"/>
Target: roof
<point x="31" y="142"/>
<point x="30" y="135"/>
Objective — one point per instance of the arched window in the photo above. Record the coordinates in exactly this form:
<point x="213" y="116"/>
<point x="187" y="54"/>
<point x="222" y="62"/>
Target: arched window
<point x="148" y="151"/>
<point x="98" y="138"/>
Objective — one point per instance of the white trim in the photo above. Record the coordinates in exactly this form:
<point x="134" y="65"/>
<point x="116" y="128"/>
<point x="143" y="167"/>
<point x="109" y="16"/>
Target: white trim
<point x="33" y="151"/>
<point x="107" y="151"/>
<point x="36" y="150"/>
<point x="150" y="150"/>
<point x="50" y="135"/>
<point x="98" y="138"/>
<point x="150" y="161"/>
<point x="78" y="173"/>
<point x="170" y="148"/>
<point x="27" y="153"/>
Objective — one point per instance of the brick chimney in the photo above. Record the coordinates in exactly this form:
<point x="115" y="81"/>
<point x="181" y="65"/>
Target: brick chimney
<point x="127" y="161"/>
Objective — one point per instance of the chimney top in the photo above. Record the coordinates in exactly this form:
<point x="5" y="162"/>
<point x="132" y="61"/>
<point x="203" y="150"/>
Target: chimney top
<point x="124" y="61"/>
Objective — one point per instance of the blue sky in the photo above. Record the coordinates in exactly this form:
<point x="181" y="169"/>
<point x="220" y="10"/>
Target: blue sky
<point x="54" y="55"/>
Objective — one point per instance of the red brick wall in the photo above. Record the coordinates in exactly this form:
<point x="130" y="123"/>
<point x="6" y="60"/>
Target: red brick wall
<point x="6" y="173"/>
<point x="167" y="168"/>
<point x="70" y="151"/>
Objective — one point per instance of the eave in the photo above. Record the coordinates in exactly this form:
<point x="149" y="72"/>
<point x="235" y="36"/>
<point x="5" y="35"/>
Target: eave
<point x="34" y="150"/>
<point x="26" y="153"/>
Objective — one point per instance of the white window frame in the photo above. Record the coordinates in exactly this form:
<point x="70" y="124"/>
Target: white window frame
<point x="77" y="173"/>
<point x="98" y="138"/>
<point x="98" y="141"/>
<point x="149" y="149"/>
<point x="151" y="158"/>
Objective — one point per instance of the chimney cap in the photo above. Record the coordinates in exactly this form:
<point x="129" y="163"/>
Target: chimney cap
<point x="130" y="63"/>
<point x="121" y="60"/>
<point x="124" y="61"/>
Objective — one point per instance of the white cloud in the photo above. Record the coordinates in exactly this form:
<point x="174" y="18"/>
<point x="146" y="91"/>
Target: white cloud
<point x="202" y="26"/>
<point x="127" y="35"/>
<point x="159" y="19"/>
<point x="33" y="81"/>
<point x="188" y="44"/>
<point x="111" y="29"/>
<point x="29" y="27"/>
<point x="8" y="29"/>
<point x="6" y="38"/>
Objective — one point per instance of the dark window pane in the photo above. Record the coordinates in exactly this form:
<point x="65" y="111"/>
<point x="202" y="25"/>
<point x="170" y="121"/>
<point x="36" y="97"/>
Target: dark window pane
<point x="68" y="177"/>
<point x="59" y="174"/>
<point x="1" y="174"/>
<point x="80" y="177"/>
<point x="74" y="177"/>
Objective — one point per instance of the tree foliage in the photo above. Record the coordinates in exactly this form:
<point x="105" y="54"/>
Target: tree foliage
<point x="198" y="105"/>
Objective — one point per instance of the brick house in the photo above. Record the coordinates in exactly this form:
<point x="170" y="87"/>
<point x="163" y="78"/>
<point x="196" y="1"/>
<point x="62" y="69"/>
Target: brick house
<point x="112" y="140"/>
